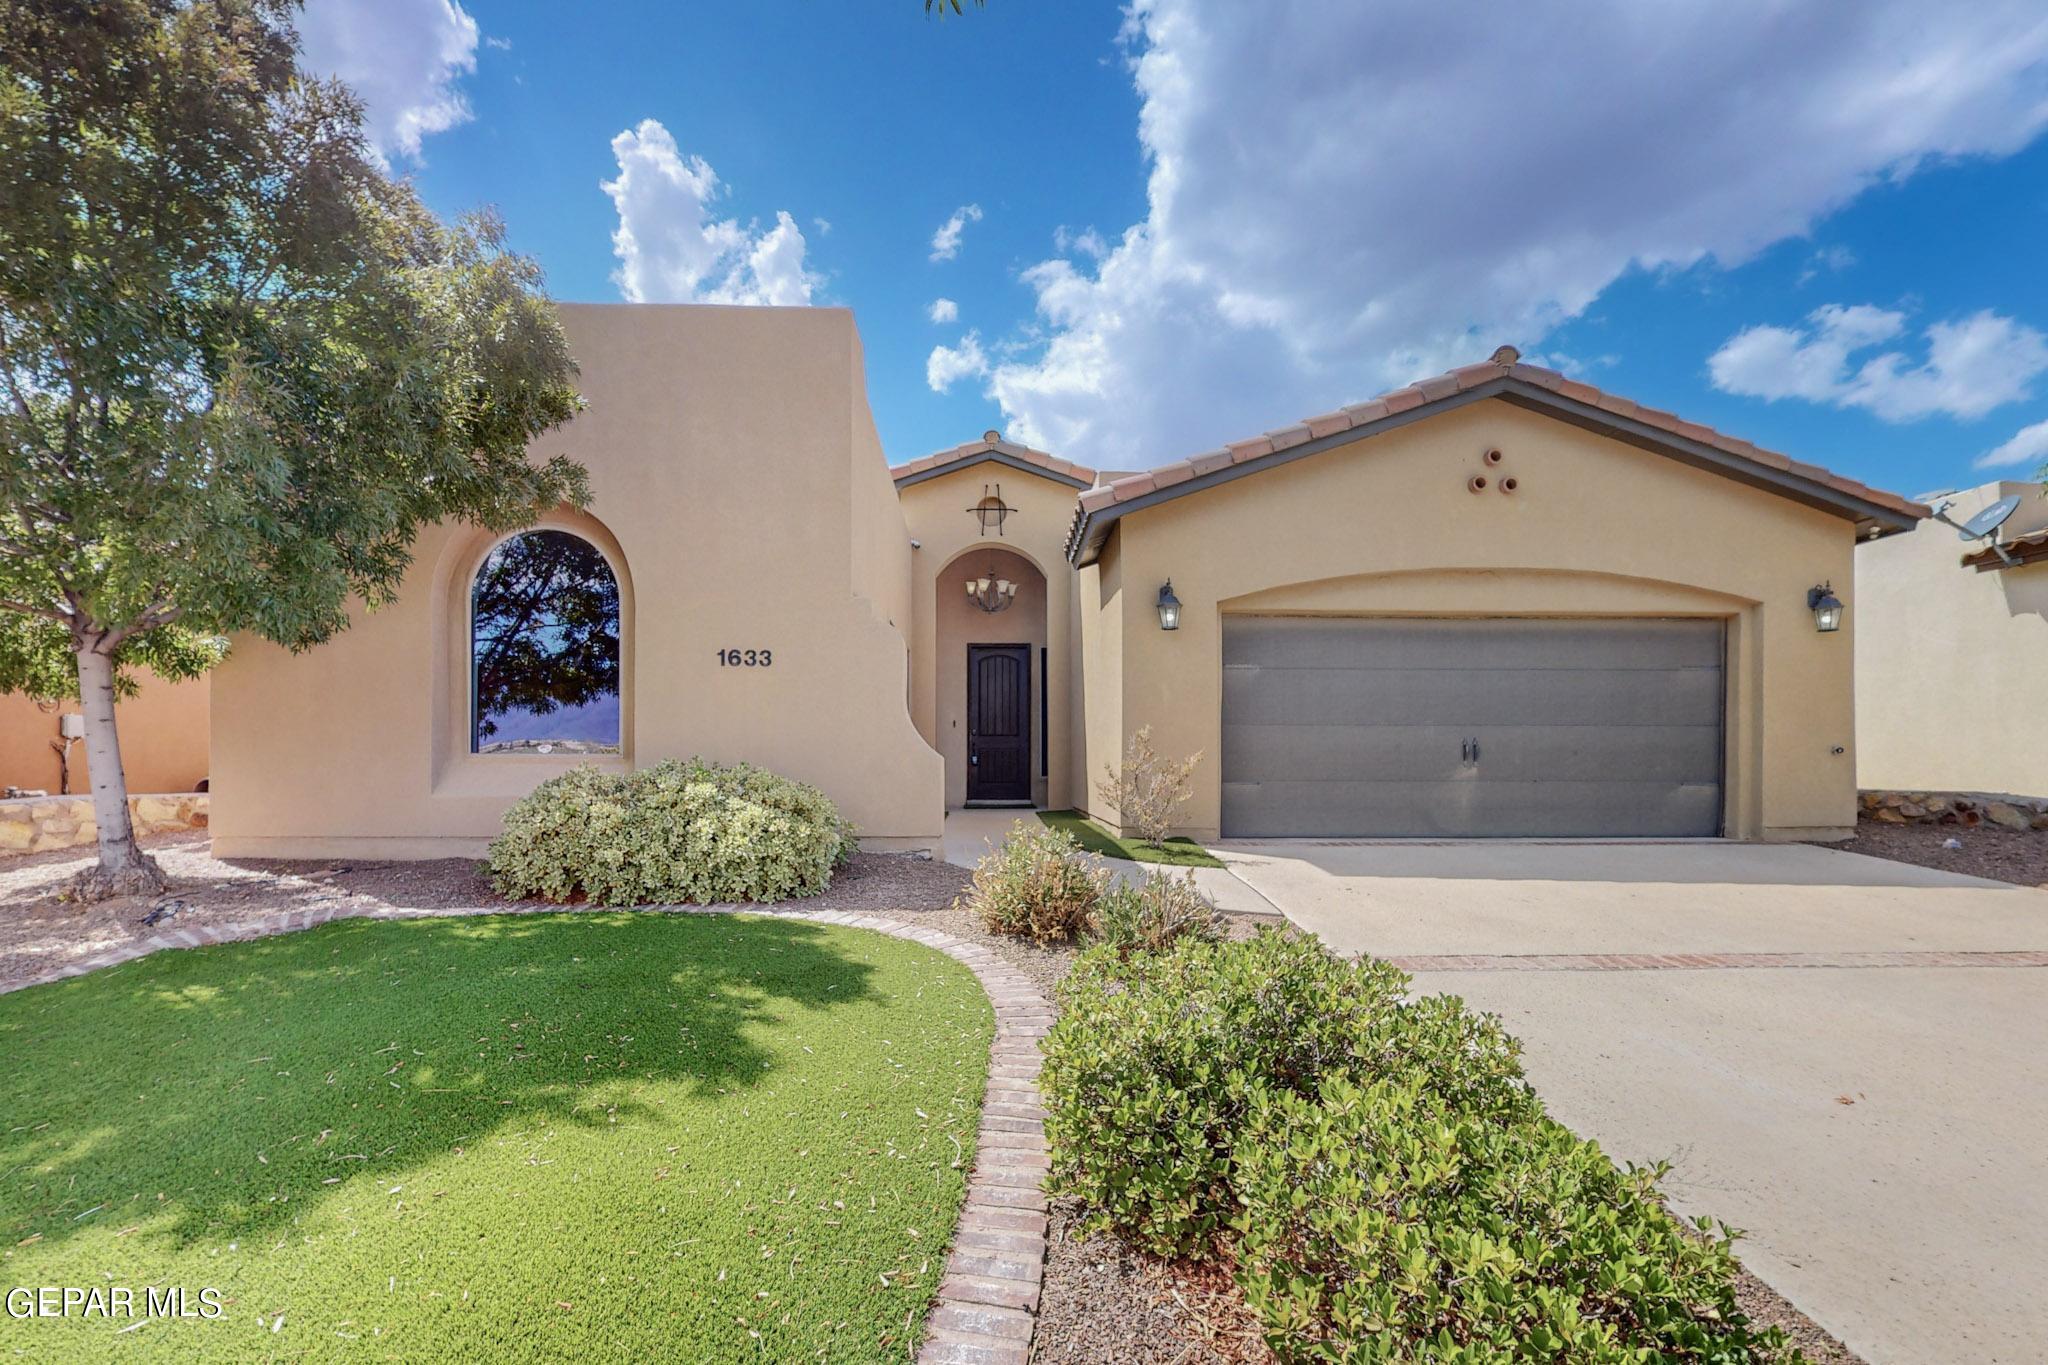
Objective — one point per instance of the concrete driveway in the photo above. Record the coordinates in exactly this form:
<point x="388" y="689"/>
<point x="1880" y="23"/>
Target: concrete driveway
<point x="1844" y="1056"/>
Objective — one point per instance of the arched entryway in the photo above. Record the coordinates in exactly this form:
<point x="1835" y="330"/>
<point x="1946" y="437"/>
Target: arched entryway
<point x="992" y="678"/>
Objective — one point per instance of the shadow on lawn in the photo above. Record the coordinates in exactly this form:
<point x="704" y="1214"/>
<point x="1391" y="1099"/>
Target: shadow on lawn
<point x="231" y="1084"/>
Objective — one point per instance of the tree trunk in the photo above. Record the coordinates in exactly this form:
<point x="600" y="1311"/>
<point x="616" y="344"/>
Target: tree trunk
<point x="124" y="869"/>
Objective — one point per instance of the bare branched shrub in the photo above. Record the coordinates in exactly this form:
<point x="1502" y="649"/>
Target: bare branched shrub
<point x="1149" y="791"/>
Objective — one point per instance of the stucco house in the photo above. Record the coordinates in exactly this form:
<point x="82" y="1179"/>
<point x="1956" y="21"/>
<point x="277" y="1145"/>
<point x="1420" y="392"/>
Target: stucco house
<point x="1496" y="603"/>
<point x="1952" y="653"/>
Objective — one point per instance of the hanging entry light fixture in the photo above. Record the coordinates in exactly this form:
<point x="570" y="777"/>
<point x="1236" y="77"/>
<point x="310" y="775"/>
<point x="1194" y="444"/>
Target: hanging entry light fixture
<point x="990" y="593"/>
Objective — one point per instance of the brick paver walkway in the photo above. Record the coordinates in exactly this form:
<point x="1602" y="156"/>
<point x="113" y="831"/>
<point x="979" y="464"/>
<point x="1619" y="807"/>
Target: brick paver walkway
<point x="987" y="1306"/>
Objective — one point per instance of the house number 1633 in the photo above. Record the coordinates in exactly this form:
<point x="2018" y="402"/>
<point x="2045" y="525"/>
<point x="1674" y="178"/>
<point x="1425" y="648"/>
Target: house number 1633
<point x="746" y="658"/>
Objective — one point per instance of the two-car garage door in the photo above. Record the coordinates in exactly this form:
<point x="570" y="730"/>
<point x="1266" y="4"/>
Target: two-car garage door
<point x="1351" y="727"/>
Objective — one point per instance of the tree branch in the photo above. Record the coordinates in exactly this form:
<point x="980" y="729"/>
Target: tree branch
<point x="29" y="609"/>
<point x="160" y="614"/>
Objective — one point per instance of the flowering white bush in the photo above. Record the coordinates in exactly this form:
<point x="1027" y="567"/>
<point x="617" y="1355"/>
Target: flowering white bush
<point x="677" y="832"/>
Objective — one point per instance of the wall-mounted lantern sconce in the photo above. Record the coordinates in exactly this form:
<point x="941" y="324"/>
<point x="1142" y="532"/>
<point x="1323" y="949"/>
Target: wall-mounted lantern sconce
<point x="1825" y="606"/>
<point x="1169" y="608"/>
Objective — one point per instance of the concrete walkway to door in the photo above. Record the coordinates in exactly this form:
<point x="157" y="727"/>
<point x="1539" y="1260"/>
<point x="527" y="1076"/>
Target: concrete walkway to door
<point x="1842" y="1055"/>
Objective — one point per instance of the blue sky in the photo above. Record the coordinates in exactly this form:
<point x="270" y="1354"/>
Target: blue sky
<point x="1814" y="228"/>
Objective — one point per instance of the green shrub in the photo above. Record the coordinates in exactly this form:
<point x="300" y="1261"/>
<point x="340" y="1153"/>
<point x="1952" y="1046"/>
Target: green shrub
<point x="1380" y="1222"/>
<point x="674" y="833"/>
<point x="1155" y="1061"/>
<point x="1036" y="885"/>
<point x="1150" y="917"/>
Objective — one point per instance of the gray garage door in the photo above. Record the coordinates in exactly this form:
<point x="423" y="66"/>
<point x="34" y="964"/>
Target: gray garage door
<point x="1399" y="728"/>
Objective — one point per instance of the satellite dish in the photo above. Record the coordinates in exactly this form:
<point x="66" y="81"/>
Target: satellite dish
<point x="1990" y="519"/>
<point x="1984" y="524"/>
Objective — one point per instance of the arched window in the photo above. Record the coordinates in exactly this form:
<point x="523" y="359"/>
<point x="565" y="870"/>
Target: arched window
<point x="544" y="648"/>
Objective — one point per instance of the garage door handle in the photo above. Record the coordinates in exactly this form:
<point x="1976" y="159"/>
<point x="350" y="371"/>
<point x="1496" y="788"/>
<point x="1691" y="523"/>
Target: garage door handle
<point x="1475" y="751"/>
<point x="1464" y="751"/>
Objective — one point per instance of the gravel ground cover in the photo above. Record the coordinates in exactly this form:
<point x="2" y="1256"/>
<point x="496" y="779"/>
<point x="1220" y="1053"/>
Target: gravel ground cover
<point x="2003" y="855"/>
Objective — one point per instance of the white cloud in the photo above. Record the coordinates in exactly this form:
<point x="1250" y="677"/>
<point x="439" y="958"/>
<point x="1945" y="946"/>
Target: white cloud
<point x="948" y="365"/>
<point x="1779" y="362"/>
<point x="946" y="241"/>
<point x="1088" y="242"/>
<point x="2029" y="445"/>
<point x="943" y="310"/>
<point x="1973" y="364"/>
<point x="671" y="248"/>
<point x="404" y="58"/>
<point x="1832" y="259"/>
<point x="1345" y="197"/>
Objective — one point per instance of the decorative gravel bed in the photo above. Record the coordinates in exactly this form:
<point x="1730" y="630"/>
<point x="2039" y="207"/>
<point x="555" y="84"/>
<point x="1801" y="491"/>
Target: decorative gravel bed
<point x="2003" y="855"/>
<point x="1100" y="1301"/>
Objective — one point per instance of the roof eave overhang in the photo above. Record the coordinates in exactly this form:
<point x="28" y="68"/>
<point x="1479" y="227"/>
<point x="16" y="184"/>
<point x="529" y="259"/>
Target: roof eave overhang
<point x="1091" y="528"/>
<point x="990" y="457"/>
<point x="2025" y="550"/>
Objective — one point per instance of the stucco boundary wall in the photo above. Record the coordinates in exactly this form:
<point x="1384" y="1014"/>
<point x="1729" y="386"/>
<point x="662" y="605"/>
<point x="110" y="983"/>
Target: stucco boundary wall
<point x="1956" y="808"/>
<point x="985" y="1311"/>
<point x="36" y="824"/>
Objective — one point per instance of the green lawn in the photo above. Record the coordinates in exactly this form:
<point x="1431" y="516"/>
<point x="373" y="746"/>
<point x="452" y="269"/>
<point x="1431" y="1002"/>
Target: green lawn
<point x="1096" y="839"/>
<point x="635" y="1136"/>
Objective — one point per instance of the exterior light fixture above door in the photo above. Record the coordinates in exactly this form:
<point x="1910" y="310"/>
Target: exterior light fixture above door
<point x="990" y="593"/>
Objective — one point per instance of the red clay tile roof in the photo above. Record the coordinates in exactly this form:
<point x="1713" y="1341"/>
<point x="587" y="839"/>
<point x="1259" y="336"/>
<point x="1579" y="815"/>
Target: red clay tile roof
<point x="1504" y="376"/>
<point x="2030" y="548"/>
<point x="993" y="446"/>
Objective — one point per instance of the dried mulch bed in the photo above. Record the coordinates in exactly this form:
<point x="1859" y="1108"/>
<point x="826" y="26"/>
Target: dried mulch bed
<point x="1101" y="1301"/>
<point x="2003" y="855"/>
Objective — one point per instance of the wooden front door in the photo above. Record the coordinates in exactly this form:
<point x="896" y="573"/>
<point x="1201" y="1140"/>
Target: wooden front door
<point x="999" y="722"/>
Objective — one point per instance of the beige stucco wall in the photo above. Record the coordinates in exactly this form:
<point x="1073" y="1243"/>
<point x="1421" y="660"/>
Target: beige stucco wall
<point x="163" y="730"/>
<point x="1098" y="735"/>
<point x="1595" y="527"/>
<point x="1950" y="662"/>
<point x="952" y="543"/>
<point x="734" y="476"/>
<point x="880" y="541"/>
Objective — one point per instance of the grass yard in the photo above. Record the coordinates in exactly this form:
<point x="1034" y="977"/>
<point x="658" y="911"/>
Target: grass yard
<point x="640" y="1136"/>
<point x="1096" y="839"/>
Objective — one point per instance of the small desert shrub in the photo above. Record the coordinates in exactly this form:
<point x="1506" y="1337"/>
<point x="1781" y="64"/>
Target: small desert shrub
<point x="1150" y="917"/>
<point x="1148" y="791"/>
<point x="1155" y="1061"/>
<point x="1380" y="1221"/>
<point x="676" y="832"/>
<point x="1387" y="1183"/>
<point x="1037" y="885"/>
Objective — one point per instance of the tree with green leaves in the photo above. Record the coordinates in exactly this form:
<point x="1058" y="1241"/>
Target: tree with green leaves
<point x="242" y="365"/>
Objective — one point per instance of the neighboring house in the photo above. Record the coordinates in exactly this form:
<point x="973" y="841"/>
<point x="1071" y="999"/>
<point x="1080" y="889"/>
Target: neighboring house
<point x="1952" y="651"/>
<point x="1495" y="603"/>
<point x="163" y="739"/>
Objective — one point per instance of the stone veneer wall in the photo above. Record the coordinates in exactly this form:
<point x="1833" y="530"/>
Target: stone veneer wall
<point x="32" y="824"/>
<point x="1956" y="808"/>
